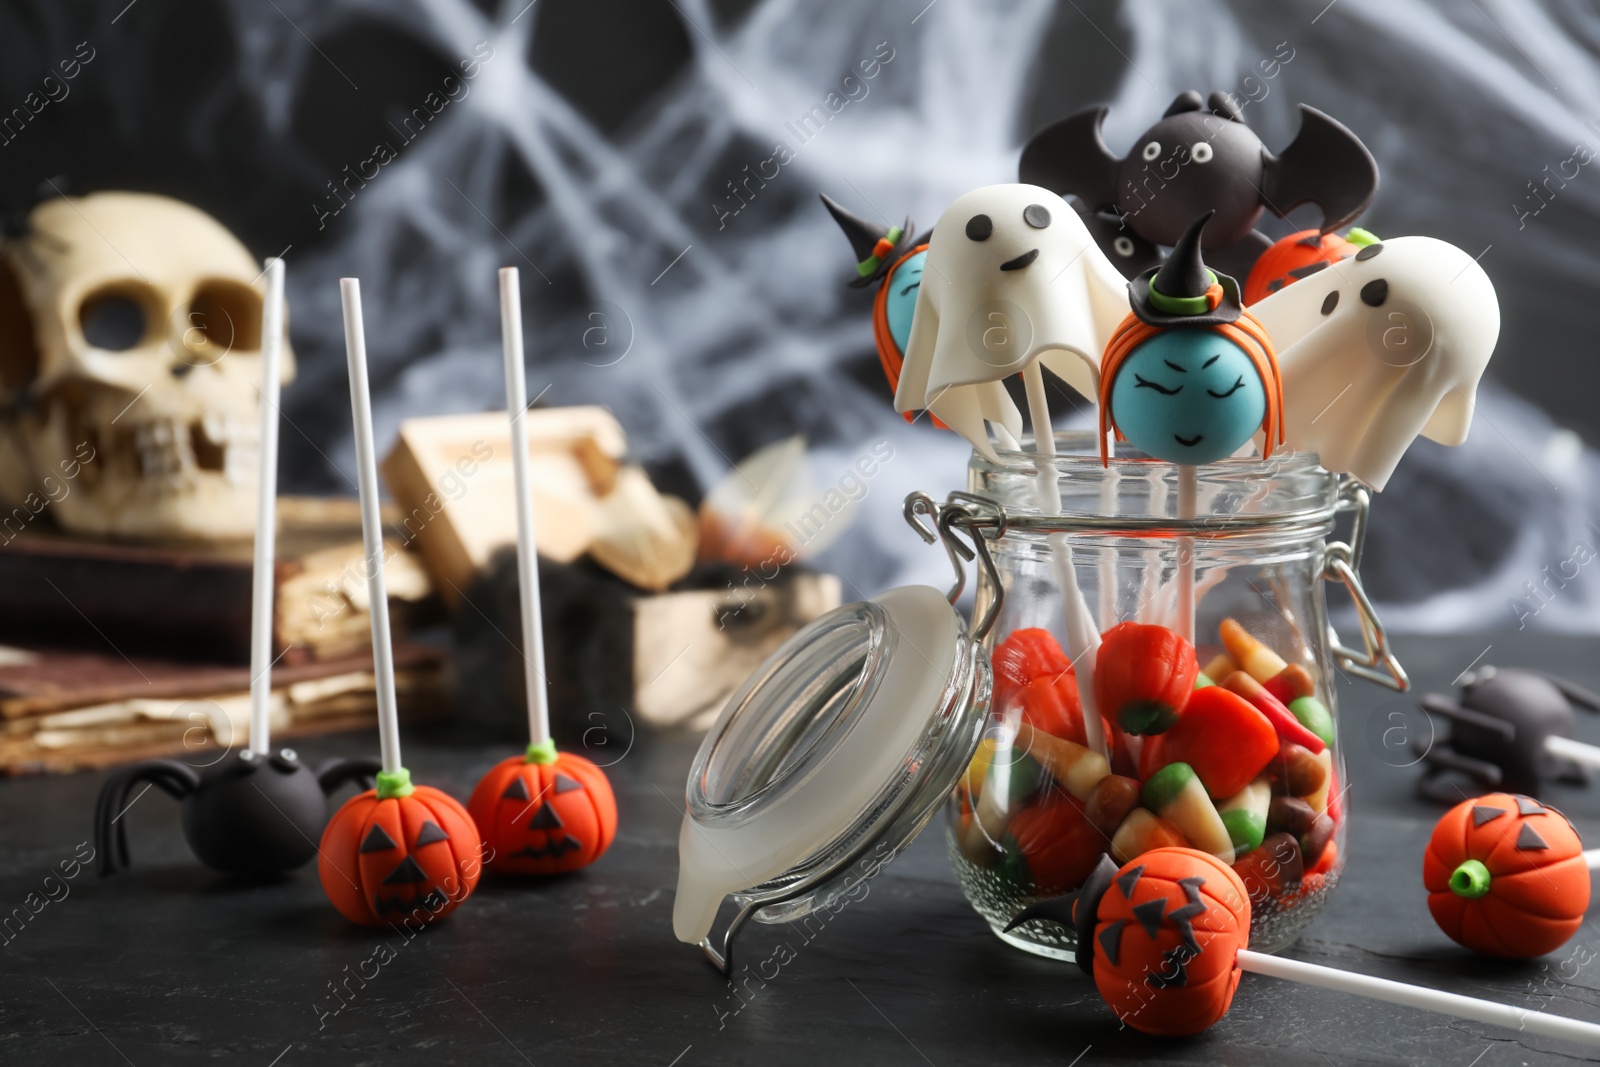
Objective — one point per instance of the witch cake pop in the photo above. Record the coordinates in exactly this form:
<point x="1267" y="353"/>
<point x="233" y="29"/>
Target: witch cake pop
<point x="543" y="812"/>
<point x="252" y="811"/>
<point x="1190" y="376"/>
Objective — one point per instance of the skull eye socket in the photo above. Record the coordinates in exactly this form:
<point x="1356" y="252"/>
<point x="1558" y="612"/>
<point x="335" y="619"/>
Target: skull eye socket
<point x="113" y="319"/>
<point x="224" y="316"/>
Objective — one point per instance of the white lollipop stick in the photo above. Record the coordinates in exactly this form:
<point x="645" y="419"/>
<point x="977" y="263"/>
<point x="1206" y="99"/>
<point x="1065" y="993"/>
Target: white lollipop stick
<point x="1188" y="490"/>
<point x="1591" y="858"/>
<point x="527" y="542"/>
<point x="1411" y="996"/>
<point x="355" y="347"/>
<point x="1576" y="751"/>
<point x="261" y="583"/>
<point x="1083" y="637"/>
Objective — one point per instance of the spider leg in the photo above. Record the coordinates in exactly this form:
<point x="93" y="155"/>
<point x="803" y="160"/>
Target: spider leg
<point x="336" y="772"/>
<point x="177" y="780"/>
<point x="1435" y="704"/>
<point x="1440" y="761"/>
<point x="1575" y="694"/>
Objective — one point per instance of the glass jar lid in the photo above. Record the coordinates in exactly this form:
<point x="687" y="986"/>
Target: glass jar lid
<point x="835" y="753"/>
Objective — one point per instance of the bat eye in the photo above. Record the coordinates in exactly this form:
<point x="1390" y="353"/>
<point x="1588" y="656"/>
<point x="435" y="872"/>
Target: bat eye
<point x="1151" y="151"/>
<point x="1201" y="152"/>
<point x="979" y="227"/>
<point x="1122" y="246"/>
<point x="1036" y="215"/>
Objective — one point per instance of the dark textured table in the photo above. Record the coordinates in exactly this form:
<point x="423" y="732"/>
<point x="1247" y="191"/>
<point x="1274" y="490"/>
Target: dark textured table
<point x="170" y="964"/>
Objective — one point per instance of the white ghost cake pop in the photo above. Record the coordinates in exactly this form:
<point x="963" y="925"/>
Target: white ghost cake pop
<point x="1012" y="276"/>
<point x="1380" y="348"/>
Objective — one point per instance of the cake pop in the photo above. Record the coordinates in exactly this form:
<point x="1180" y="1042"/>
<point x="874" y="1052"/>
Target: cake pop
<point x="400" y="851"/>
<point x="1506" y="876"/>
<point x="1509" y="729"/>
<point x="544" y="812"/>
<point x="251" y="811"/>
<point x="1165" y="937"/>
<point x="1201" y="156"/>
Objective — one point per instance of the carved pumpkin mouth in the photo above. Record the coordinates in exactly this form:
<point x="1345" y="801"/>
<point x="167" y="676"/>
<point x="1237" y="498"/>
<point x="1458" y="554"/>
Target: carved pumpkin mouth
<point x="433" y="900"/>
<point x="554" y="848"/>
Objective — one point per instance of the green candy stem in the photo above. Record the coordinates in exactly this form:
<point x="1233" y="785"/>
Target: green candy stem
<point x="543" y="752"/>
<point x="1470" y="880"/>
<point x="396" y="783"/>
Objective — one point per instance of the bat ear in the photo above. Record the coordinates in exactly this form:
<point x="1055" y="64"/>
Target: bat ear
<point x="1326" y="165"/>
<point x="1070" y="157"/>
<point x="1188" y="100"/>
<point x="1221" y="103"/>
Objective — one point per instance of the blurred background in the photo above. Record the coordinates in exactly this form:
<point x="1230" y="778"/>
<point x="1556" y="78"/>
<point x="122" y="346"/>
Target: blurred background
<point x="606" y="148"/>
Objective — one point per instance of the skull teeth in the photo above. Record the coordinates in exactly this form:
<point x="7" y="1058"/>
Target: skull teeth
<point x="168" y="450"/>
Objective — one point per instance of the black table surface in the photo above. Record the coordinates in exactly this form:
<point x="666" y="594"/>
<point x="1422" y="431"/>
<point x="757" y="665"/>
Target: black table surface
<point x="170" y="964"/>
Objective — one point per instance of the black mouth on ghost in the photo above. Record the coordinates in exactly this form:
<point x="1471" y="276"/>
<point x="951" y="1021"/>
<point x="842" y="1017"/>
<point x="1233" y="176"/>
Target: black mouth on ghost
<point x="1021" y="261"/>
<point x="1189" y="442"/>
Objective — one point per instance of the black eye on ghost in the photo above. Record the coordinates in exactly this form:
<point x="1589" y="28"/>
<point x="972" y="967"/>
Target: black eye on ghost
<point x="1036" y="215"/>
<point x="979" y="227"/>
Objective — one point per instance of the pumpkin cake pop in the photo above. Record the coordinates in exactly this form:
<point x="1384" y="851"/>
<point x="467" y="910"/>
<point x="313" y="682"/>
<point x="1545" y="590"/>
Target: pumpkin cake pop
<point x="399" y="852"/>
<point x="544" y="812"/>
<point x="252" y="811"/>
<point x="1165" y="938"/>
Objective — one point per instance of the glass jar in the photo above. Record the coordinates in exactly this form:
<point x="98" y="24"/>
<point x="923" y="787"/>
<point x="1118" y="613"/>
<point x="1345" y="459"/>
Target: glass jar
<point x="1242" y="543"/>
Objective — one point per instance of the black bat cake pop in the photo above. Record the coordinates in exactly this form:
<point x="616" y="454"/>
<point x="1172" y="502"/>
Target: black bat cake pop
<point x="1202" y="157"/>
<point x="1509" y="730"/>
<point x="252" y="811"/>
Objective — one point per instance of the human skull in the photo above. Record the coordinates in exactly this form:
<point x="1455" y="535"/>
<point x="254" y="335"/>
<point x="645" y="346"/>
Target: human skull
<point x="130" y="362"/>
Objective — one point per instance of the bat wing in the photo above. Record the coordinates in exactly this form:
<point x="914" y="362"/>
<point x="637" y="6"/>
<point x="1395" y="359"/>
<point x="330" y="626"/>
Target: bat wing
<point x="1070" y="156"/>
<point x="1326" y="165"/>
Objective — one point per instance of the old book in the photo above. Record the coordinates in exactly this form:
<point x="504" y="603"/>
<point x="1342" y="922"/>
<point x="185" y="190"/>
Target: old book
<point x="65" y="711"/>
<point x="191" y="601"/>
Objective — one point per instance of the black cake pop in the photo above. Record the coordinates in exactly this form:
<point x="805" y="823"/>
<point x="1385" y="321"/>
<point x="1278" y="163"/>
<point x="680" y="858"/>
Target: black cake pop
<point x="1202" y="157"/>
<point x="1510" y="729"/>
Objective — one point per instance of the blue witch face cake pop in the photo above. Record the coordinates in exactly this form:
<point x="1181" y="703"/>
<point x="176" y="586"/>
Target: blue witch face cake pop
<point x="1189" y="376"/>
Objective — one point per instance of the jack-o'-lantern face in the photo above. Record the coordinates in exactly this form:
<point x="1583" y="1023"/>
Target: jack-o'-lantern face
<point x="1167" y="936"/>
<point x="412" y="858"/>
<point x="1292" y="258"/>
<point x="544" y="818"/>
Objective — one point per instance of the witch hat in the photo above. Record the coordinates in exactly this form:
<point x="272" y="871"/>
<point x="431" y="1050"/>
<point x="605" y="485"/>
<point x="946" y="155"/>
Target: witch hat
<point x="877" y="248"/>
<point x="1183" y="291"/>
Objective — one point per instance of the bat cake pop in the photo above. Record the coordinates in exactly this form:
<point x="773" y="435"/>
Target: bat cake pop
<point x="252" y="811"/>
<point x="1201" y="156"/>
<point x="543" y="812"/>
<point x="398" y="852"/>
<point x="1509" y="729"/>
<point x="1166" y="935"/>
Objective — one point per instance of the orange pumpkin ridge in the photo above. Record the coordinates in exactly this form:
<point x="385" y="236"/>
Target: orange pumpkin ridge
<point x="1506" y="877"/>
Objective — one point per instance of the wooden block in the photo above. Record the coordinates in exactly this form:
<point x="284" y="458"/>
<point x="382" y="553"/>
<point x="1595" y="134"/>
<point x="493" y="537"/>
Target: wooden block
<point x="452" y="479"/>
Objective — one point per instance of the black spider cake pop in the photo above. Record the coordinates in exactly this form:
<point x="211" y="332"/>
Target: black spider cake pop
<point x="1501" y="731"/>
<point x="245" y="814"/>
<point x="1202" y="157"/>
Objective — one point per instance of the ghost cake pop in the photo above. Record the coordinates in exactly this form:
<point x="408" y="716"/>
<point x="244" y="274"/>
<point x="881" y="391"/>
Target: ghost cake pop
<point x="1382" y="348"/>
<point x="1507" y="876"/>
<point x="891" y="258"/>
<point x="1165" y="937"/>
<point x="253" y="811"/>
<point x="544" y="812"/>
<point x="1509" y="729"/>
<point x="400" y="852"/>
